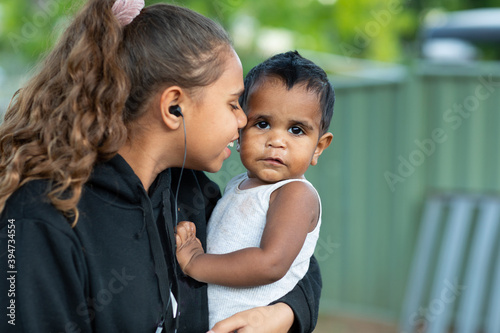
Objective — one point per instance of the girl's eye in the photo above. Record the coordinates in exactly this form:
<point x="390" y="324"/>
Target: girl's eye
<point x="262" y="124"/>
<point x="235" y="106"/>
<point x="296" y="130"/>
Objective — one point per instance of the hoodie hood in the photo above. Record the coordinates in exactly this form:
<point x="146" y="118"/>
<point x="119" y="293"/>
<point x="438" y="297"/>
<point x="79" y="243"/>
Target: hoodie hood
<point x="116" y="183"/>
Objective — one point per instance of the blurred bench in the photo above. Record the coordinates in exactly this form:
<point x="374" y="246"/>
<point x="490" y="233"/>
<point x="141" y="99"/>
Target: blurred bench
<point x="454" y="280"/>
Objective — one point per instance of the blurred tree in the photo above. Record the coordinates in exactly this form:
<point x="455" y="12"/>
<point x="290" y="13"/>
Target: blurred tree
<point x="28" y="27"/>
<point x="374" y="29"/>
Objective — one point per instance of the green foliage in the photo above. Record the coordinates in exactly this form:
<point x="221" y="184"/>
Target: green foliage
<point x="374" y="29"/>
<point x="30" y="28"/>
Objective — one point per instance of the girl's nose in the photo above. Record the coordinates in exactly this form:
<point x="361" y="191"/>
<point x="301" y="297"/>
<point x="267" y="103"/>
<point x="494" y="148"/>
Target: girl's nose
<point x="241" y="118"/>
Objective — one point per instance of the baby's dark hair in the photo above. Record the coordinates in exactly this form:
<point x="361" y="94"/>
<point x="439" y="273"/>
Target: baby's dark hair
<point x="293" y="69"/>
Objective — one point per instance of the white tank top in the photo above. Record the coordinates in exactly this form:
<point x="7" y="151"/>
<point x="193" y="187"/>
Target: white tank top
<point x="238" y="222"/>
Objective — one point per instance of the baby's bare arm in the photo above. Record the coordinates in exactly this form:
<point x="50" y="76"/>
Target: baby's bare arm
<point x="293" y="212"/>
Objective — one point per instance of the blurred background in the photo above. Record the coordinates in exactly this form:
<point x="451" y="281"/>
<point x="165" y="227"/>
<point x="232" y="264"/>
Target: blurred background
<point x="418" y="90"/>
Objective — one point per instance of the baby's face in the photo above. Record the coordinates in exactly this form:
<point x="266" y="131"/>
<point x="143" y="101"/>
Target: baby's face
<point x="281" y="137"/>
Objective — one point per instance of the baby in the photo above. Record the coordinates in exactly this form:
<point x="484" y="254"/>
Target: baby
<point x="263" y="231"/>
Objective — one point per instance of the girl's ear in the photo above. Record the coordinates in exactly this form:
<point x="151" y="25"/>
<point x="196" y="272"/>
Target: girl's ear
<point x="323" y="143"/>
<point x="171" y="96"/>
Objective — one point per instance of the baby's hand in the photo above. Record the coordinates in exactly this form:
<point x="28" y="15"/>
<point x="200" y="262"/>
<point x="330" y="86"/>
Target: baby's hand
<point x="188" y="246"/>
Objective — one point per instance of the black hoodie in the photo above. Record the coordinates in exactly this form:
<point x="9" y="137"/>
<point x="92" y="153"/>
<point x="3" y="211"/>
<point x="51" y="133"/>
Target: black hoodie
<point x="114" y="271"/>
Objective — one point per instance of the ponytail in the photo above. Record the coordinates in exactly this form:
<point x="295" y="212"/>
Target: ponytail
<point x="69" y="115"/>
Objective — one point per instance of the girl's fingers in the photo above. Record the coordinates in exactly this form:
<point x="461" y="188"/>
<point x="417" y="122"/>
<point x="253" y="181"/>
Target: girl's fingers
<point x="231" y="324"/>
<point x="276" y="318"/>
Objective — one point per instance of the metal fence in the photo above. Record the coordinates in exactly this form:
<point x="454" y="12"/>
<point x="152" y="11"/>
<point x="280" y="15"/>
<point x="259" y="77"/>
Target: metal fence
<point x="400" y="134"/>
<point x="435" y="128"/>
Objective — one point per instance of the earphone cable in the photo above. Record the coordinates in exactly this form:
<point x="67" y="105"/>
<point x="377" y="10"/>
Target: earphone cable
<point x="176" y="317"/>
<point x="180" y="175"/>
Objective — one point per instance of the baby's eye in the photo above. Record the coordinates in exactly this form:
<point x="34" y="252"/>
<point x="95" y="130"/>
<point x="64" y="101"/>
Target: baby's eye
<point x="235" y="107"/>
<point x="262" y="124"/>
<point x="296" y="130"/>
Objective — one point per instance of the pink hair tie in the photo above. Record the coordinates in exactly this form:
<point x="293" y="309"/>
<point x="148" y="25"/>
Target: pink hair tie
<point x="127" y="10"/>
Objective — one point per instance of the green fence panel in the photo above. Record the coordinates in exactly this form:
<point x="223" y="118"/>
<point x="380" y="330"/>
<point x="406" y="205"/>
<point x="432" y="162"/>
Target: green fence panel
<point x="359" y="214"/>
<point x="433" y="128"/>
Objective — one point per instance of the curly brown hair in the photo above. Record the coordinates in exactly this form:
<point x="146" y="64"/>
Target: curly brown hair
<point x="96" y="81"/>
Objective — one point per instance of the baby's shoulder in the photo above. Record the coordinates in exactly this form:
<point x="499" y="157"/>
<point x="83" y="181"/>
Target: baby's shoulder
<point x="294" y="191"/>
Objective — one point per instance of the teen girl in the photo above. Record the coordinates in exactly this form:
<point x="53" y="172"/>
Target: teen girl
<point x="89" y="156"/>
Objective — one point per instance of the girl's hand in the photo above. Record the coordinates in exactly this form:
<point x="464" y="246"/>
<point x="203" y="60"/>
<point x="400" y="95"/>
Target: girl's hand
<point x="276" y="318"/>
<point x="188" y="246"/>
